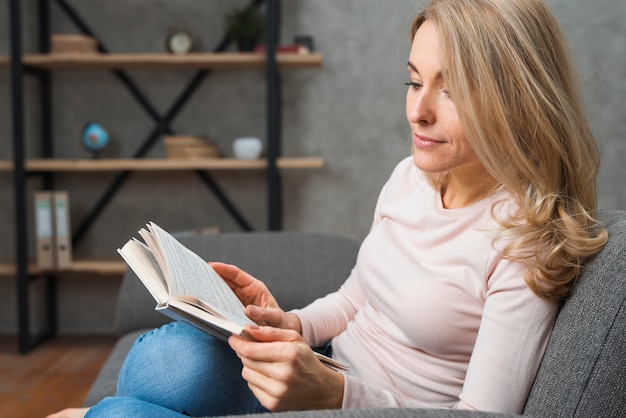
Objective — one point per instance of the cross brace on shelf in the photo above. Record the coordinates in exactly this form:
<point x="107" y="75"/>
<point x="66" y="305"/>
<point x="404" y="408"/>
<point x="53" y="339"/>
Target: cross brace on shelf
<point x="162" y="126"/>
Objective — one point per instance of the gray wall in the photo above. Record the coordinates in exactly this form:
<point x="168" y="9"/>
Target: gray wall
<point x="350" y="112"/>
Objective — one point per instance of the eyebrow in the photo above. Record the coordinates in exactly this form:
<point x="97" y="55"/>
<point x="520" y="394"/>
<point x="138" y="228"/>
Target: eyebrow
<point x="439" y="75"/>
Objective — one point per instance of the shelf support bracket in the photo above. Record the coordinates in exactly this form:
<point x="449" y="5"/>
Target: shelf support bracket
<point x="273" y="117"/>
<point x="26" y="341"/>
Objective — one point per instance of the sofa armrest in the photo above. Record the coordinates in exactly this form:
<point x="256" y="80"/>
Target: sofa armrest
<point x="583" y="370"/>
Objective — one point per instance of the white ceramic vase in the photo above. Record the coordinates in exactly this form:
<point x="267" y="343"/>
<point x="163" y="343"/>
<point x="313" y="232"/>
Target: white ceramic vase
<point x="247" y="148"/>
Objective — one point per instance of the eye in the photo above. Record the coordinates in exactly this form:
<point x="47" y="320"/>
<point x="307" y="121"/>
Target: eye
<point x="413" y="85"/>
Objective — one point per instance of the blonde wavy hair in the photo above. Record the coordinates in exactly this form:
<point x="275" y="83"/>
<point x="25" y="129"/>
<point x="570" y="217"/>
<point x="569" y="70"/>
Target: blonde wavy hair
<point x="506" y="65"/>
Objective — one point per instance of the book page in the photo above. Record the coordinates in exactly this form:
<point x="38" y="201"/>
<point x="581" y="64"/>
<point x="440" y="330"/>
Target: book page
<point x="139" y="257"/>
<point x="151" y="242"/>
<point x="188" y="274"/>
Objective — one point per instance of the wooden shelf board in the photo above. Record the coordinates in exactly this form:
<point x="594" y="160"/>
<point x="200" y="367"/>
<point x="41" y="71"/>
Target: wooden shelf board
<point x="105" y="267"/>
<point x="66" y="165"/>
<point x="96" y="61"/>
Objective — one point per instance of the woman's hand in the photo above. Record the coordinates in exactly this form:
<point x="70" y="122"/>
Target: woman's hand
<point x="70" y="413"/>
<point x="261" y="306"/>
<point x="283" y="372"/>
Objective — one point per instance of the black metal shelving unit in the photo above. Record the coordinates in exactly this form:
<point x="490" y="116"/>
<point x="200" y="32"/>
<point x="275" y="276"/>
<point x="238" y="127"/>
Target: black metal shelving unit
<point x="26" y="339"/>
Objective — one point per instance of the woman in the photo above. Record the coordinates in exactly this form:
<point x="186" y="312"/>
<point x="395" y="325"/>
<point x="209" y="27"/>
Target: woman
<point x="476" y="237"/>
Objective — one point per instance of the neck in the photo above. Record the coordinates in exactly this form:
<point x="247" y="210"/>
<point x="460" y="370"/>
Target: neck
<point x="465" y="189"/>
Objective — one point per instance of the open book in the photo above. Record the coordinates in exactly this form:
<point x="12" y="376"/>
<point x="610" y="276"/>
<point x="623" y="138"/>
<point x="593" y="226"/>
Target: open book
<point x="186" y="288"/>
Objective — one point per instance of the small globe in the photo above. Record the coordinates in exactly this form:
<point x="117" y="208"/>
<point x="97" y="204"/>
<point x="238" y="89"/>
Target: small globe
<point x="94" y="138"/>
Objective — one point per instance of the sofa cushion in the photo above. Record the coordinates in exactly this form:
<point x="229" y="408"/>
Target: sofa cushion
<point x="583" y="372"/>
<point x="106" y="382"/>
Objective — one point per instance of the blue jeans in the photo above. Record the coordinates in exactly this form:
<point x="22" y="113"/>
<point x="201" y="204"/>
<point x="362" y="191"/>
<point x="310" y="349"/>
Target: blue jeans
<point x="178" y="371"/>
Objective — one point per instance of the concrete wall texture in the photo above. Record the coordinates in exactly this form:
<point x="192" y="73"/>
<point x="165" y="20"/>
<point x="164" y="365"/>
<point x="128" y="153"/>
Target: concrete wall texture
<point x="350" y="112"/>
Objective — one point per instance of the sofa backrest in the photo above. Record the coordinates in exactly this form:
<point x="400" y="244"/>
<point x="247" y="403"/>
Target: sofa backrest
<point x="297" y="267"/>
<point x="583" y="372"/>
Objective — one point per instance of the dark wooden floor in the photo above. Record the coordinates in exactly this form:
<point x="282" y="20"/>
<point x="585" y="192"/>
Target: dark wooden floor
<point x="53" y="376"/>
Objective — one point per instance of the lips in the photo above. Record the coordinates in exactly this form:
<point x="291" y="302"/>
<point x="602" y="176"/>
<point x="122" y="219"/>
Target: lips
<point x="421" y="141"/>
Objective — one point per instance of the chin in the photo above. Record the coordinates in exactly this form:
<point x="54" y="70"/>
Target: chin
<point x="426" y="164"/>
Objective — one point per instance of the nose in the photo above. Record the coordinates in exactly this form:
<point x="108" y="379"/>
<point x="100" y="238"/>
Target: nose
<point x="420" y="107"/>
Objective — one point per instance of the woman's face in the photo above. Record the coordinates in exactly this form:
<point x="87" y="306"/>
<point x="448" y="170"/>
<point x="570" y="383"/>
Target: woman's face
<point x="439" y="142"/>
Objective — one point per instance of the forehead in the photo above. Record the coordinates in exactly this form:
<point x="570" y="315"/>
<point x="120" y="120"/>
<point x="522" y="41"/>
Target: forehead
<point x="426" y="33"/>
<point x="425" y="46"/>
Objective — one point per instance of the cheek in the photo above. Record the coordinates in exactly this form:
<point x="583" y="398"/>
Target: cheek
<point x="464" y="151"/>
<point x="454" y="129"/>
<point x="457" y="134"/>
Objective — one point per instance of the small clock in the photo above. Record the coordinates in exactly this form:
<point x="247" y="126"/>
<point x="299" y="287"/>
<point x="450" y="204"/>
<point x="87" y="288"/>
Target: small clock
<point x="179" y="41"/>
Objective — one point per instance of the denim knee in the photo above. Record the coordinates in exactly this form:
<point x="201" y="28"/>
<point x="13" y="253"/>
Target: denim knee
<point x="185" y="370"/>
<point x="162" y="361"/>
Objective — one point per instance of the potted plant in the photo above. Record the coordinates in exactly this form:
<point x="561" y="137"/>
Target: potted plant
<point x="246" y="27"/>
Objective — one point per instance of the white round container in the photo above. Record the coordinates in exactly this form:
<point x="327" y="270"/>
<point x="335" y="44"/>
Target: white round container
<point x="247" y="148"/>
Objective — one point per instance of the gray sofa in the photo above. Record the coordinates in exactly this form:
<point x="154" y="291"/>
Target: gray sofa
<point x="582" y="374"/>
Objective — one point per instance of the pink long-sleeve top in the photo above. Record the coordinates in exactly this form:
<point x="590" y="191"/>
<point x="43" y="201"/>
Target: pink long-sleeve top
<point x="431" y="315"/>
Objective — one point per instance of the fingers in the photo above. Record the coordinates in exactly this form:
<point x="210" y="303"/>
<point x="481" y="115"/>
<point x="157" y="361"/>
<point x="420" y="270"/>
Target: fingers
<point x="267" y="344"/>
<point x="272" y="357"/>
<point x="268" y="316"/>
<point x="268" y="334"/>
<point x="250" y="290"/>
<point x="274" y="316"/>
<point x="283" y="372"/>
<point x="270" y="392"/>
<point x="232" y="273"/>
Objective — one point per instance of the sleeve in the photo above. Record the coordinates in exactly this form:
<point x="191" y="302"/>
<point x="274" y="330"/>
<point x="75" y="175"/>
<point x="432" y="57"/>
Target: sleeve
<point x="327" y="317"/>
<point x="514" y="331"/>
<point x="512" y="337"/>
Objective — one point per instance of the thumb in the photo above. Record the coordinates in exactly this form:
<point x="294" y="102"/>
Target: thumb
<point x="266" y="316"/>
<point x="271" y="334"/>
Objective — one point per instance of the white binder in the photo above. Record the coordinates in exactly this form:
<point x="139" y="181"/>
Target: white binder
<point x="62" y="232"/>
<point x="44" y="230"/>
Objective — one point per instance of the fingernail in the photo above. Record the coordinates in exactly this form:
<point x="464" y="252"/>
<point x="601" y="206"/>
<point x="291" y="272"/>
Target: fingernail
<point x="253" y="311"/>
<point x="254" y="326"/>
